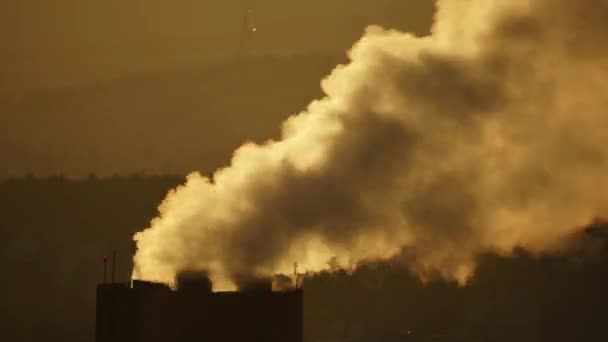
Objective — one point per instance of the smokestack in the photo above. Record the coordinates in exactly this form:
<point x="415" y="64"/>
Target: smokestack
<point x="193" y="282"/>
<point x="486" y="136"/>
<point x="249" y="283"/>
<point x="281" y="282"/>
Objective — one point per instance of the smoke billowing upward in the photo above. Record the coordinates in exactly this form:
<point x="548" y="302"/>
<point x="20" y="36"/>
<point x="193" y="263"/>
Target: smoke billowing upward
<point x="485" y="136"/>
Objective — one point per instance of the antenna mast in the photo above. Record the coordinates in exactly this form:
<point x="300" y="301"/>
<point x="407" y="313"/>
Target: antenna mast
<point x="105" y="268"/>
<point x="295" y="274"/>
<point x="113" y="265"/>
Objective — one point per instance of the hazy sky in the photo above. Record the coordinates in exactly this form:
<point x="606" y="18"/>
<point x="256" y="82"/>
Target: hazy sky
<point x="123" y="86"/>
<point x="53" y="43"/>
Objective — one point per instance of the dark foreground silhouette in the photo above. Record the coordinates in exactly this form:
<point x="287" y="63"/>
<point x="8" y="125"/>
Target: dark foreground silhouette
<point x="56" y="232"/>
<point x="518" y="298"/>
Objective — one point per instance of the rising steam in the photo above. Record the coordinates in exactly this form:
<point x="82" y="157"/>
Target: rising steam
<point x="489" y="134"/>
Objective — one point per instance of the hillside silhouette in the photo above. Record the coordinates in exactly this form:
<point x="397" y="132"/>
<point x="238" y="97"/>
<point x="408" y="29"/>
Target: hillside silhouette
<point x="168" y="122"/>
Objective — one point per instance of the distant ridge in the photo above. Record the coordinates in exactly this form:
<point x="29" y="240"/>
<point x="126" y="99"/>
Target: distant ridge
<point x="80" y="129"/>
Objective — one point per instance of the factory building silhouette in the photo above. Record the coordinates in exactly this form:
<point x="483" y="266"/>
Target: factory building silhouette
<point x="522" y="297"/>
<point x="146" y="311"/>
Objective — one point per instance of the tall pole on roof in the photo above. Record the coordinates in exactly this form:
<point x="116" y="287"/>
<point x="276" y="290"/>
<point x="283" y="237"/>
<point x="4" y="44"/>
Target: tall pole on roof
<point x="105" y="268"/>
<point x="113" y="265"/>
<point x="295" y="274"/>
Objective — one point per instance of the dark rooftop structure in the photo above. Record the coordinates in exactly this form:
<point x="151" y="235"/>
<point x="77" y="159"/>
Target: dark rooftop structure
<point x="152" y="312"/>
<point x="522" y="297"/>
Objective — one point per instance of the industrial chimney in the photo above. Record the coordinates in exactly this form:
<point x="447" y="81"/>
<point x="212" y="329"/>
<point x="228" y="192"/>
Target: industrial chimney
<point x="193" y="282"/>
<point x="246" y="283"/>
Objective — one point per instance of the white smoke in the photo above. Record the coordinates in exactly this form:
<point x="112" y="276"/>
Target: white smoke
<point x="485" y="136"/>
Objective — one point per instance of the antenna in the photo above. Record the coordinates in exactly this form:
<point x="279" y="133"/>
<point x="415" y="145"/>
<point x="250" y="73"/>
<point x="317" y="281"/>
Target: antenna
<point x="132" y="263"/>
<point x="105" y="268"/>
<point x="113" y="265"/>
<point x="295" y="274"/>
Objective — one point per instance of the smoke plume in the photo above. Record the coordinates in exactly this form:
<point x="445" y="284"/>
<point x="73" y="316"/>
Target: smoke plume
<point x="485" y="136"/>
